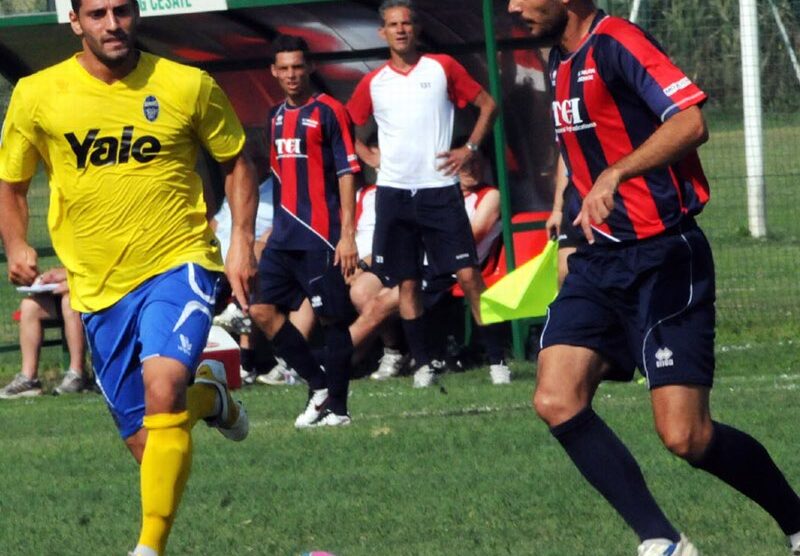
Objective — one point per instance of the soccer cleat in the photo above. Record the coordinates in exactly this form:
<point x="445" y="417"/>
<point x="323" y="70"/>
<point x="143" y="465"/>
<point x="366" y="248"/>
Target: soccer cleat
<point x="500" y="373"/>
<point x="21" y="387"/>
<point x="330" y="419"/>
<point x="317" y="400"/>
<point x="665" y="547"/>
<point x="231" y="421"/>
<point x="425" y="377"/>
<point x="391" y="363"/>
<point x="72" y="383"/>
<point x="143" y="551"/>
<point x="795" y="548"/>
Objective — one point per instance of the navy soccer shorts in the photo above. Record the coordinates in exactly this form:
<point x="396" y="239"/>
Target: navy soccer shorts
<point x="169" y="315"/>
<point x="412" y="223"/>
<point x="286" y="277"/>
<point x="648" y="305"/>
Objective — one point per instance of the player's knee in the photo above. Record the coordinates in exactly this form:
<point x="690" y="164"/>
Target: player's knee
<point x="688" y="442"/>
<point x="267" y="319"/>
<point x="551" y="406"/>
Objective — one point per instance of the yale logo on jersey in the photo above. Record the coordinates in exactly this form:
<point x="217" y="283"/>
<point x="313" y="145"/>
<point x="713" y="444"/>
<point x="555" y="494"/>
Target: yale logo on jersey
<point x="150" y="108"/>
<point x="567" y="112"/>
<point x="664" y="358"/>
<point x="288" y="147"/>
<point x="106" y="150"/>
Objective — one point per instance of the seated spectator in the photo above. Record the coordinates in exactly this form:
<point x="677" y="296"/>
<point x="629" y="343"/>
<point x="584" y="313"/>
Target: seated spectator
<point x="33" y="310"/>
<point x="377" y="304"/>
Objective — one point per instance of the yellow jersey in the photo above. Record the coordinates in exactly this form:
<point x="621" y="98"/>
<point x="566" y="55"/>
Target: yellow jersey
<point x="125" y="201"/>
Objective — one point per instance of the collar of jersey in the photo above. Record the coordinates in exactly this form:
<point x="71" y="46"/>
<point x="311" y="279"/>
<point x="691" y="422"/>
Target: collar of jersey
<point x="408" y="71"/>
<point x="124" y="82"/>
<point x="312" y="99"/>
<point x="598" y="18"/>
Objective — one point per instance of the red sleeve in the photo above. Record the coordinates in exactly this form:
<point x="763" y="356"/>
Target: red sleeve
<point x="341" y="135"/>
<point x="360" y="104"/>
<point x="461" y="87"/>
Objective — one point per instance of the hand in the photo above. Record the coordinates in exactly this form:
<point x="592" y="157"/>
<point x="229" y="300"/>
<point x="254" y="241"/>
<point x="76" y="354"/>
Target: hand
<point x="346" y="255"/>
<point x="453" y="160"/>
<point x="553" y="224"/>
<point x="599" y="203"/>
<point x="240" y="268"/>
<point x="23" y="266"/>
<point x="56" y="276"/>
<point x="372" y="157"/>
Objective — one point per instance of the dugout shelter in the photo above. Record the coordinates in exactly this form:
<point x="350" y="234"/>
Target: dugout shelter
<point x="231" y="38"/>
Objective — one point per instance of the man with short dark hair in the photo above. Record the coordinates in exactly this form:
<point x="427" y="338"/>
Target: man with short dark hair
<point x="312" y="244"/>
<point x="641" y="292"/>
<point x="118" y="131"/>
<point x="419" y="207"/>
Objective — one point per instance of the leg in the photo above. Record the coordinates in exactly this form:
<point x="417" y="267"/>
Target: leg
<point x="413" y="321"/>
<point x="73" y="330"/>
<point x="563" y="269"/>
<point x="471" y="281"/>
<point x="32" y="311"/>
<point x="683" y="421"/>
<point x="304" y="319"/>
<point x="567" y="380"/>
<point x="167" y="455"/>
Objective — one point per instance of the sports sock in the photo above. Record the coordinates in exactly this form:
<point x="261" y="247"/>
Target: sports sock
<point x="202" y="401"/>
<point x="165" y="467"/>
<point x="248" y="359"/>
<point x="742" y="462"/>
<point x="494" y="340"/>
<point x="338" y="350"/>
<point x="293" y="348"/>
<point x="606" y="463"/>
<point x="414" y="330"/>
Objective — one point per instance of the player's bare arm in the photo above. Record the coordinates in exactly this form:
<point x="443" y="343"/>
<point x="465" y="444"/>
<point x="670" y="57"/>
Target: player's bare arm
<point x="346" y="251"/>
<point x="682" y="133"/>
<point x="486" y="215"/>
<point x="22" y="259"/>
<point x="553" y="224"/>
<point x="241" y="190"/>
<point x="454" y="159"/>
<point x="370" y="155"/>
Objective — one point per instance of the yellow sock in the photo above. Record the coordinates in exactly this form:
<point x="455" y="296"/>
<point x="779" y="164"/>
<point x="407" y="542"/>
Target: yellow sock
<point x="201" y="402"/>
<point x="165" y="467"/>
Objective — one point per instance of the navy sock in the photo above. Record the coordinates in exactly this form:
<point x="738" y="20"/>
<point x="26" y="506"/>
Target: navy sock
<point x="414" y="330"/>
<point x="248" y="357"/>
<point x="291" y="346"/>
<point x="610" y="468"/>
<point x="338" y="351"/>
<point x="493" y="337"/>
<point x="742" y="462"/>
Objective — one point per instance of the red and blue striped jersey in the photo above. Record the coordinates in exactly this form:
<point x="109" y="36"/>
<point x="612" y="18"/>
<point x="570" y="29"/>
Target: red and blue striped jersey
<point x="611" y="94"/>
<point x="311" y="147"/>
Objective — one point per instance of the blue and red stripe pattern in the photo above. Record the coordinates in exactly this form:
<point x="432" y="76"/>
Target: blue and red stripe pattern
<point x="311" y="147"/>
<point x="611" y="94"/>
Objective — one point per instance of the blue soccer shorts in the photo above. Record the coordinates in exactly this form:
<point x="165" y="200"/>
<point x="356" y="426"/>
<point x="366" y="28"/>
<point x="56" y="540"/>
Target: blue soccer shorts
<point x="648" y="305"/>
<point x="169" y="315"/>
<point x="412" y="224"/>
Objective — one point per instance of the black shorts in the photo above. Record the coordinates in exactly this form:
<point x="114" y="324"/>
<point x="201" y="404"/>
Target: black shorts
<point x="649" y="305"/>
<point x="411" y="223"/>
<point x="286" y="277"/>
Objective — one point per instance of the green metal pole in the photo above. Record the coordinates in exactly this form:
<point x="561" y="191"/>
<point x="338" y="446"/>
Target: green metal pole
<point x="500" y="156"/>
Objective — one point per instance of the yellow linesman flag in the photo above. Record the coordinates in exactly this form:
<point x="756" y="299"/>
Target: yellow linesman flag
<point x="525" y="292"/>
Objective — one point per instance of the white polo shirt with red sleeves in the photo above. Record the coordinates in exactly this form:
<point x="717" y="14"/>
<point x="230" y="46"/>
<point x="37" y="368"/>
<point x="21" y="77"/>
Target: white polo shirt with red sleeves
<point x="414" y="111"/>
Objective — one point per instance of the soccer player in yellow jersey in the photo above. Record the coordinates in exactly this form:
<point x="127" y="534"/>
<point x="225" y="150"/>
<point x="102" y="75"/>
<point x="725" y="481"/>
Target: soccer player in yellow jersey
<point x="118" y="132"/>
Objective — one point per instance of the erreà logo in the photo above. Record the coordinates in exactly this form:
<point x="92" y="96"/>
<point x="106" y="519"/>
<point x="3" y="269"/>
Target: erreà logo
<point x="107" y="150"/>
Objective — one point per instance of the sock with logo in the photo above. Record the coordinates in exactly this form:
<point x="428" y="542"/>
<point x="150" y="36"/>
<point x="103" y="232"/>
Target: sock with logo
<point x="414" y="330"/>
<point x="166" y="462"/>
<point x="338" y="350"/>
<point x="293" y="348"/>
<point x="606" y="463"/>
<point x="741" y="461"/>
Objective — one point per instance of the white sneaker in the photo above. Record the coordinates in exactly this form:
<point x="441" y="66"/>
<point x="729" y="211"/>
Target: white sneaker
<point x="231" y="421"/>
<point x="795" y="548"/>
<point x="317" y="400"/>
<point x="276" y="375"/>
<point x="233" y="320"/>
<point x="143" y="551"/>
<point x="665" y="547"/>
<point x="425" y="377"/>
<point x="391" y="363"/>
<point x="331" y="419"/>
<point x="500" y="373"/>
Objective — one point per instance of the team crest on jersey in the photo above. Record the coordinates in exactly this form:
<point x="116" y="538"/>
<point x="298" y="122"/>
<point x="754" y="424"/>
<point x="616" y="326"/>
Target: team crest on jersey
<point x="150" y="108"/>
